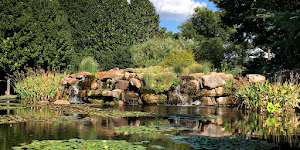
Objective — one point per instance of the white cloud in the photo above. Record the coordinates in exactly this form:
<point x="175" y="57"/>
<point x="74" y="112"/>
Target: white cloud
<point x="178" y="10"/>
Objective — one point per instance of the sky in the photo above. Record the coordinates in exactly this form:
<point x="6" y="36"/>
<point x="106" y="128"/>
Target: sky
<point x="173" y="13"/>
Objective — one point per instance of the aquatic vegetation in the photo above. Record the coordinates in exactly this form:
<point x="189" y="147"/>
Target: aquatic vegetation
<point x="205" y="142"/>
<point x="11" y="106"/>
<point x="116" y="113"/>
<point x="188" y="116"/>
<point x="269" y="97"/>
<point x="36" y="85"/>
<point x="138" y="129"/>
<point x="6" y="119"/>
<point x="81" y="144"/>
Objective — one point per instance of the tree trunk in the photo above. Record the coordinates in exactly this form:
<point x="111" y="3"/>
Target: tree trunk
<point x="8" y="86"/>
<point x="269" y="53"/>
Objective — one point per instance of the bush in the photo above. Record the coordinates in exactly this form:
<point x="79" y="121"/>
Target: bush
<point x="36" y="85"/>
<point x="232" y="69"/>
<point x="89" y="64"/>
<point x="204" y="67"/>
<point x="271" y="97"/>
<point x="184" y="57"/>
<point x="155" y="50"/>
<point x="178" y="68"/>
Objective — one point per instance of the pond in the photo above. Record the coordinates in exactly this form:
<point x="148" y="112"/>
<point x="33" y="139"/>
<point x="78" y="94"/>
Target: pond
<point x="168" y="127"/>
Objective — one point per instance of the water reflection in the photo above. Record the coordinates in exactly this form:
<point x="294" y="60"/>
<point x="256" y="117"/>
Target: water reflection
<point x="282" y="130"/>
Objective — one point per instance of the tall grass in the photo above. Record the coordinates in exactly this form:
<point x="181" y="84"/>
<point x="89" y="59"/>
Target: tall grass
<point x="204" y="67"/>
<point x="274" y="97"/>
<point x="34" y="85"/>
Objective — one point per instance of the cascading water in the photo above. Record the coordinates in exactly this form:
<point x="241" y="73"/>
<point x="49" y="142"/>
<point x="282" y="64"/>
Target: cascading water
<point x="74" y="91"/>
<point x="178" y="95"/>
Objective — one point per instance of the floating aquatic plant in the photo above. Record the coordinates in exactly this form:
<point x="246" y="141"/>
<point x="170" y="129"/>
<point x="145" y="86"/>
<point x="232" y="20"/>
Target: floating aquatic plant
<point x="81" y="144"/>
<point x="205" y="142"/>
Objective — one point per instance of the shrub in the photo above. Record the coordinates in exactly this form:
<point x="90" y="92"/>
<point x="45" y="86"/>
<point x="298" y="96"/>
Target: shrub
<point x="204" y="67"/>
<point x="184" y="57"/>
<point x="178" y="68"/>
<point x="89" y="64"/>
<point x="232" y="69"/>
<point x="271" y="97"/>
<point x="36" y="85"/>
<point x="155" y="50"/>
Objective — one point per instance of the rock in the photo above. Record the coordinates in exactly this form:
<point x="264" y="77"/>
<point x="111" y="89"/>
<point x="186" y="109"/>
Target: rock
<point x="208" y="101"/>
<point x="95" y="93"/>
<point x="190" y="87"/>
<point x="214" y="92"/>
<point x="68" y="80"/>
<point x="196" y="75"/>
<point x="106" y="93"/>
<point x="126" y="75"/>
<point x="63" y="81"/>
<point x="82" y="93"/>
<point x="72" y="81"/>
<point x="106" y="75"/>
<point x="212" y="81"/>
<point x="222" y="100"/>
<point x="43" y="103"/>
<point x="82" y="74"/>
<point x="130" y="70"/>
<point x="154" y="99"/>
<point x="186" y="77"/>
<point x="122" y="84"/>
<point x="61" y="102"/>
<point x="117" y="93"/>
<point x="130" y="97"/>
<point x="94" y="86"/>
<point x="140" y="76"/>
<point x="255" y="78"/>
<point x="135" y="82"/>
<point x="112" y="103"/>
<point x="121" y="103"/>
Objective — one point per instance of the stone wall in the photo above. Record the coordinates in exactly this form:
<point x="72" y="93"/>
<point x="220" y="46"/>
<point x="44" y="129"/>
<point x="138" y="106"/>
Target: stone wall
<point x="128" y="86"/>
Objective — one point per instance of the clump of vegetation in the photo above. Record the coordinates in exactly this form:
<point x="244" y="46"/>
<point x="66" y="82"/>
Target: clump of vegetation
<point x="159" y="81"/>
<point x="184" y="57"/>
<point x="81" y="144"/>
<point x="155" y="50"/>
<point x="178" y="68"/>
<point x="206" y="142"/>
<point x="204" y="67"/>
<point x="269" y="97"/>
<point x="89" y="64"/>
<point x="138" y="129"/>
<point x="36" y="85"/>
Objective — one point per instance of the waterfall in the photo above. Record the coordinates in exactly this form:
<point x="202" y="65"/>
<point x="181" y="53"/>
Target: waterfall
<point x="74" y="91"/>
<point x="177" y="94"/>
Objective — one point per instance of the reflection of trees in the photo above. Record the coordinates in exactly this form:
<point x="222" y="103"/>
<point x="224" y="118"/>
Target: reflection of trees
<point x="277" y="128"/>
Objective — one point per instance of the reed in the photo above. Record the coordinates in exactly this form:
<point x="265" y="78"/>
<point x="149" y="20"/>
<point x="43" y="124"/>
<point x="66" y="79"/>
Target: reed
<point x="34" y="85"/>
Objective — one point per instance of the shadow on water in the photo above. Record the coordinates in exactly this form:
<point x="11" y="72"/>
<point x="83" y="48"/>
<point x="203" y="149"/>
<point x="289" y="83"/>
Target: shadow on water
<point x="187" y="121"/>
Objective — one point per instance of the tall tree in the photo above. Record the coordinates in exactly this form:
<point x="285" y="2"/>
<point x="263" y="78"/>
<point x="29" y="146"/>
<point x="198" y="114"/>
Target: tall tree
<point x="205" y="26"/>
<point x="273" y="24"/>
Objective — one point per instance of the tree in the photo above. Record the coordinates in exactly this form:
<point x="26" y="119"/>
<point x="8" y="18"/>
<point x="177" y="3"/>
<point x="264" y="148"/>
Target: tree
<point x="271" y="24"/>
<point x="205" y="26"/>
<point x="33" y="33"/>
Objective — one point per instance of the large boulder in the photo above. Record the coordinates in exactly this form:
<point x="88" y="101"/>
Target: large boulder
<point x="82" y="74"/>
<point x="208" y="101"/>
<point x="178" y="98"/>
<point x="252" y="78"/>
<point x="106" y="93"/>
<point x="130" y="97"/>
<point x="106" y="75"/>
<point x="68" y="80"/>
<point x="190" y="87"/>
<point x="122" y="84"/>
<point x="212" y="81"/>
<point x="154" y="99"/>
<point x="196" y="75"/>
<point x="135" y="82"/>
<point x="214" y="92"/>
<point x="117" y="93"/>
<point x="224" y="76"/>
<point x="94" y="85"/>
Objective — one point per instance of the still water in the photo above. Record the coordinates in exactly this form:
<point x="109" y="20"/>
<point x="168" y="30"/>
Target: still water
<point x="283" y="131"/>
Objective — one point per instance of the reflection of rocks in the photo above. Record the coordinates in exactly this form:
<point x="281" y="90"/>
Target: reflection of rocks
<point x="212" y="130"/>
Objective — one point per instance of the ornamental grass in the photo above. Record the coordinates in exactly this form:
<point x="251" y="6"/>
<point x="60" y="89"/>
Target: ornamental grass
<point x="34" y="85"/>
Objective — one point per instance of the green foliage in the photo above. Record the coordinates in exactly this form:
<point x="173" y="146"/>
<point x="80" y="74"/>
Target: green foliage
<point x="154" y="51"/>
<point x="206" y="142"/>
<point x="89" y="64"/>
<point x="184" y="57"/>
<point x="81" y="144"/>
<point x="157" y="80"/>
<point x="38" y="85"/>
<point x="138" y="129"/>
<point x="213" y="36"/>
<point x="269" y="24"/>
<point x="232" y="69"/>
<point x="178" y="68"/>
<point x="271" y="97"/>
<point x="204" y="67"/>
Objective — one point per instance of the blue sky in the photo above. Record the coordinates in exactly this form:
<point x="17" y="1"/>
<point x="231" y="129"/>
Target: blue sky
<point x="174" y="12"/>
